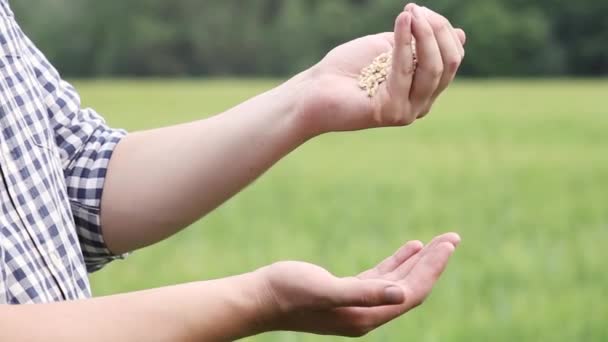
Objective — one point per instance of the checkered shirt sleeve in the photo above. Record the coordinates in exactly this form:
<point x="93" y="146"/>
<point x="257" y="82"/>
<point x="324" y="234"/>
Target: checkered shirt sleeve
<point x="85" y="144"/>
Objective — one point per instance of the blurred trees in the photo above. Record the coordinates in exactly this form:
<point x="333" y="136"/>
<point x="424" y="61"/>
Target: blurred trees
<point x="278" y="37"/>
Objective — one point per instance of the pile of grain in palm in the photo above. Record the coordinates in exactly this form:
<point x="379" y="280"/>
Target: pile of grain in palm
<point x="377" y="72"/>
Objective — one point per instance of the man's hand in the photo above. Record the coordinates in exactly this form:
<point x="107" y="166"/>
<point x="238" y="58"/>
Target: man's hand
<point x="335" y="102"/>
<point x="307" y="298"/>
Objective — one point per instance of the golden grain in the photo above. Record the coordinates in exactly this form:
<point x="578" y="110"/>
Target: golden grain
<point x="379" y="70"/>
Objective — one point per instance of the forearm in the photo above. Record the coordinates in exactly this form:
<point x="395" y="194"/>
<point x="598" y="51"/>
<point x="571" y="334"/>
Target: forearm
<point x="162" y="180"/>
<point x="218" y="310"/>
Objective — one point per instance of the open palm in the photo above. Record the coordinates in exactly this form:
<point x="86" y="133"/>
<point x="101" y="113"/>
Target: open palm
<point x="309" y="298"/>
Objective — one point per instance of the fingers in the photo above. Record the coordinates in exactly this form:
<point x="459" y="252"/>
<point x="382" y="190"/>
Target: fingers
<point x="462" y="37"/>
<point x="459" y="33"/>
<point x="365" y="293"/>
<point x="417" y="286"/>
<point x="451" y="50"/>
<point x="405" y="268"/>
<point x="363" y="305"/>
<point x="392" y="262"/>
<point x="422" y="278"/>
<point x="400" y="78"/>
<point x="459" y="39"/>
<point x="440" y="51"/>
<point x="401" y="256"/>
<point x="429" y="70"/>
<point x="409" y="7"/>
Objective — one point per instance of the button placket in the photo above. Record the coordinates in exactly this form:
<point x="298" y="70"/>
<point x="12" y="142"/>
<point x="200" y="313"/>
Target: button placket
<point x="56" y="259"/>
<point x="56" y="265"/>
<point x="44" y="253"/>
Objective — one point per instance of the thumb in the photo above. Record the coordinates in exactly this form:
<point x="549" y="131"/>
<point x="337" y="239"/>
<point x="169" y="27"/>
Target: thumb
<point x="366" y="293"/>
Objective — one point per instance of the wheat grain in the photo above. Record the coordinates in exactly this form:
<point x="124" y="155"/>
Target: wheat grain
<point x="378" y="71"/>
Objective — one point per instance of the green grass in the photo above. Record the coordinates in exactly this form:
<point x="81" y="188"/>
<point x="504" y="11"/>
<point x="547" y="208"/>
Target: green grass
<point x="520" y="169"/>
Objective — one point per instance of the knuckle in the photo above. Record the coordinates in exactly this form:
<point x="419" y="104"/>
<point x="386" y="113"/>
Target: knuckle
<point x="404" y="120"/>
<point x="439" y="23"/>
<point x="425" y="111"/>
<point x="409" y="120"/>
<point x="407" y="70"/>
<point x="445" y="23"/>
<point x="365" y="300"/>
<point x="435" y="71"/>
<point x="453" y="63"/>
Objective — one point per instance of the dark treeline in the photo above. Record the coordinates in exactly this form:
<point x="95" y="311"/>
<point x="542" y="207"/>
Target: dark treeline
<point x="279" y="37"/>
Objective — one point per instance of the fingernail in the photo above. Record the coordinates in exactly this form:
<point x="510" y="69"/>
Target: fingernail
<point x="393" y="294"/>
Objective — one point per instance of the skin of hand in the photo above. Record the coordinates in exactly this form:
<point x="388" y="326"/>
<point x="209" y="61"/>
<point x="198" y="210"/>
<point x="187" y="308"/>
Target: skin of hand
<point x="306" y="298"/>
<point x="337" y="104"/>
<point x="160" y="181"/>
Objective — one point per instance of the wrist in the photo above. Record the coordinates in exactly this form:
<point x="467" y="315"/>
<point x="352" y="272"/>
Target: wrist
<point x="231" y="308"/>
<point x="257" y="311"/>
<point x="301" y="90"/>
<point x="267" y="309"/>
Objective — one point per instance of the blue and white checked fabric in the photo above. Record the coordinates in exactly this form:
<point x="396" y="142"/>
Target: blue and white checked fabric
<point x="53" y="161"/>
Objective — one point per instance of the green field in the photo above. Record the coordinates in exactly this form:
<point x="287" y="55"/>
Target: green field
<point x="519" y="169"/>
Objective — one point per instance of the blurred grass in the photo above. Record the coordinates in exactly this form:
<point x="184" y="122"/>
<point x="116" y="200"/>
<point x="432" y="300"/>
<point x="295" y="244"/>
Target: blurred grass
<point x="520" y="169"/>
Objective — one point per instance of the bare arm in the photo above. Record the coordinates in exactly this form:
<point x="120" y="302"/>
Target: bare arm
<point x="217" y="310"/>
<point x="160" y="181"/>
<point x="291" y="296"/>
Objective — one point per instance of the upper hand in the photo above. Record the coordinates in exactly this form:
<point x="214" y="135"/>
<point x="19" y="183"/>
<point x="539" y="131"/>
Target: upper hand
<point x="336" y="103"/>
<point x="304" y="297"/>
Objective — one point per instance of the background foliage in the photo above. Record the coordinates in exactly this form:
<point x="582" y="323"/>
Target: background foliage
<point x="276" y="37"/>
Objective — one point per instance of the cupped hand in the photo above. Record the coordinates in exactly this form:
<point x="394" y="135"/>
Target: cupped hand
<point x="336" y="103"/>
<point x="307" y="298"/>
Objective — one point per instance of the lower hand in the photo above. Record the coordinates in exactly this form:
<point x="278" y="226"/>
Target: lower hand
<point x="306" y="298"/>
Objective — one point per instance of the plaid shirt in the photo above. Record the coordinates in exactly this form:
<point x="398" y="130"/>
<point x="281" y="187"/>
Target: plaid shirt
<point x="53" y="161"/>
